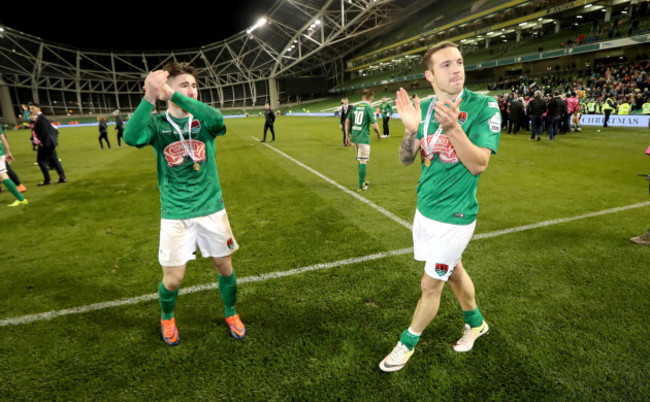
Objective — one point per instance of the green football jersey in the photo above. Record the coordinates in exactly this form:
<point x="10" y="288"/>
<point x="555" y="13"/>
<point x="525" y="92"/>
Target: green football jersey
<point x="184" y="191"/>
<point x="361" y="117"/>
<point x="2" y="150"/>
<point x="447" y="190"/>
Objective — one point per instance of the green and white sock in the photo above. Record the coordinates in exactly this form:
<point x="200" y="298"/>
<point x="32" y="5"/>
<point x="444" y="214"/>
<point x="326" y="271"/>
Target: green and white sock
<point x="167" y="301"/>
<point x="473" y="318"/>
<point x="410" y="338"/>
<point x="12" y="189"/>
<point x="228" y="289"/>
<point x="362" y="174"/>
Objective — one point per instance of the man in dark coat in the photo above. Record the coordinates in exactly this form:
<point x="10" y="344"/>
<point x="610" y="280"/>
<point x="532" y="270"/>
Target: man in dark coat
<point x="517" y="112"/>
<point x="48" y="137"/>
<point x="536" y="110"/>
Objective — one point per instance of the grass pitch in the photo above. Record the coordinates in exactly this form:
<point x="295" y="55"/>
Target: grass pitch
<point x="567" y="303"/>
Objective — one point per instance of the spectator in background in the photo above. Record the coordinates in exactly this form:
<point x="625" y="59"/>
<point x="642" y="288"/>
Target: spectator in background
<point x="386" y="113"/>
<point x="572" y="105"/>
<point x="47" y="135"/>
<point x="103" y="132"/>
<point x="269" y="119"/>
<point x="536" y="110"/>
<point x="555" y="108"/>
<point x="345" y="109"/>
<point x="119" y="126"/>
<point x="516" y="114"/>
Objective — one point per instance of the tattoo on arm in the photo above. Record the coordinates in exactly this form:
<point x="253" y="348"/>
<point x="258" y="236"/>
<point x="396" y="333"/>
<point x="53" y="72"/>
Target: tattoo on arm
<point x="409" y="147"/>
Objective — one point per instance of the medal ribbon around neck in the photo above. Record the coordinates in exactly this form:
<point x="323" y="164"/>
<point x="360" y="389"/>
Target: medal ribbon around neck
<point x="180" y="135"/>
<point x="427" y="120"/>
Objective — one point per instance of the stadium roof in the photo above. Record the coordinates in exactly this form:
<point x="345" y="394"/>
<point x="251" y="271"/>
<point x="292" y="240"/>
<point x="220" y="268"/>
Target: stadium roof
<point x="299" y="37"/>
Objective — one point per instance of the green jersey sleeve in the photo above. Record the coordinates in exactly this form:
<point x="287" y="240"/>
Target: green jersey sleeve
<point x="140" y="130"/>
<point x="209" y="115"/>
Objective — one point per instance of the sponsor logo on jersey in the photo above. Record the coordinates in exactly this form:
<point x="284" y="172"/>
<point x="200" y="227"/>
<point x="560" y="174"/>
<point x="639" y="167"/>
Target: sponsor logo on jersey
<point x="442" y="269"/>
<point x="175" y="152"/>
<point x="495" y="123"/>
<point x="442" y="147"/>
<point x="493" y="104"/>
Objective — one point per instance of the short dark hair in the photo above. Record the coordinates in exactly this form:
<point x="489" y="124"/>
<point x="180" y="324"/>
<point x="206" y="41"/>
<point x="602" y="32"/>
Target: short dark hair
<point x="426" y="60"/>
<point x="175" y="69"/>
<point x="367" y="94"/>
<point x="34" y="104"/>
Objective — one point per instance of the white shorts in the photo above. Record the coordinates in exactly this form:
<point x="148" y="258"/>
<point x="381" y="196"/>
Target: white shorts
<point x="362" y="151"/>
<point x="179" y="238"/>
<point x="439" y="244"/>
<point x="3" y="164"/>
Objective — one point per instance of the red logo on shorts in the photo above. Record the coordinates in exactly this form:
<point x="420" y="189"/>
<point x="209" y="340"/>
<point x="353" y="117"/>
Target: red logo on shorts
<point x="442" y="269"/>
<point x="231" y="243"/>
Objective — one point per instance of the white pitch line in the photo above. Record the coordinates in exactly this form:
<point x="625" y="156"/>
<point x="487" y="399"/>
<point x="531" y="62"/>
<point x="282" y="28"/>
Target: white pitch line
<point x="376" y="207"/>
<point x="557" y="221"/>
<point x="26" y="319"/>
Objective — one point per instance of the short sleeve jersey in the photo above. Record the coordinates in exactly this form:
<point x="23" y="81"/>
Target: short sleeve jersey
<point x="185" y="192"/>
<point x="361" y="117"/>
<point x="447" y="189"/>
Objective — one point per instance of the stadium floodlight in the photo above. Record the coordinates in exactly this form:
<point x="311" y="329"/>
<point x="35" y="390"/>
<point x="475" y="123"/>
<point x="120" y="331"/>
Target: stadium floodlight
<point x="258" y="24"/>
<point x="2" y="29"/>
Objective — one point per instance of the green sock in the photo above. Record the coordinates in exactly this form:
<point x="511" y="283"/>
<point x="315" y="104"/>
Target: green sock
<point x="167" y="301"/>
<point x="12" y="188"/>
<point x="409" y="339"/>
<point x="228" y="289"/>
<point x="362" y="174"/>
<point x="473" y="318"/>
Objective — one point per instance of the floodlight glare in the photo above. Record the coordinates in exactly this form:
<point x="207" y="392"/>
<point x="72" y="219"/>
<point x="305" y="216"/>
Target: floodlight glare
<point x="2" y="29"/>
<point x="258" y="24"/>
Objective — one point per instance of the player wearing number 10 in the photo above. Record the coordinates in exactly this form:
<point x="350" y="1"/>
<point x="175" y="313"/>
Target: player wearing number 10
<point x="357" y="133"/>
<point x="192" y="207"/>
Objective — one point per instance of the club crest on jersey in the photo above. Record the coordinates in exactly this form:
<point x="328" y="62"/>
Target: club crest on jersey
<point x="462" y="117"/>
<point x="175" y="152"/>
<point x="442" y="269"/>
<point x="196" y="127"/>
<point x="442" y="147"/>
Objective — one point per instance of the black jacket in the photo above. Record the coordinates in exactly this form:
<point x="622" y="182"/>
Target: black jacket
<point x="344" y="113"/>
<point x="556" y="106"/>
<point x="45" y="132"/>
<point x="269" y="115"/>
<point x="517" y="112"/>
<point x="537" y="107"/>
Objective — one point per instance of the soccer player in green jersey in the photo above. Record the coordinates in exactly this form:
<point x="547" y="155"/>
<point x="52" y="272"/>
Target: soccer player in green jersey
<point x="192" y="207"/>
<point x="357" y="130"/>
<point x="6" y="156"/>
<point x="454" y="133"/>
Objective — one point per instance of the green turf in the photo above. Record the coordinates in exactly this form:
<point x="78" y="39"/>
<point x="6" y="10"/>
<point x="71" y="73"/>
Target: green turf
<point x="567" y="303"/>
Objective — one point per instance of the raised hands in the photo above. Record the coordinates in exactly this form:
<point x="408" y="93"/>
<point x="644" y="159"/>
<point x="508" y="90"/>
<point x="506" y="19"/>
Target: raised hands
<point x="447" y="113"/>
<point x="410" y="114"/>
<point x="154" y="86"/>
